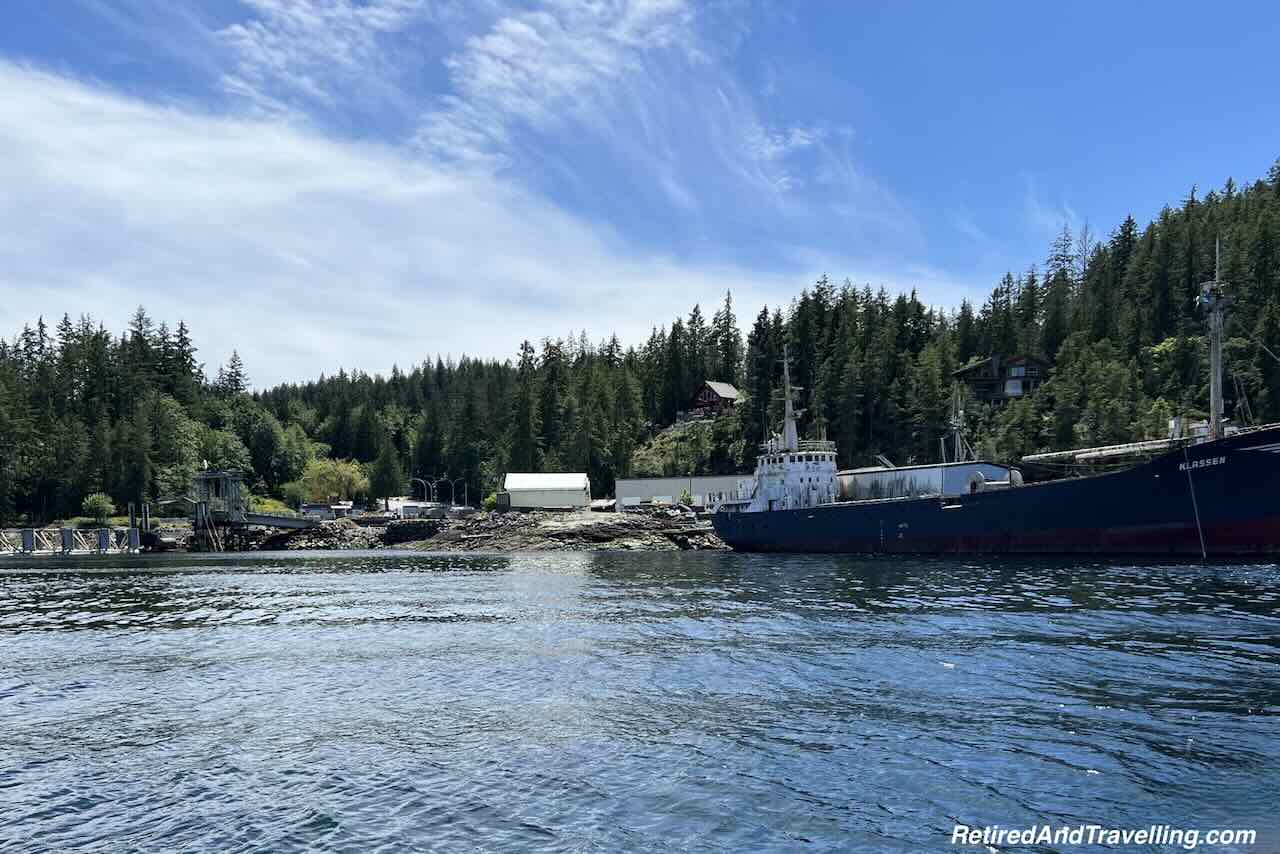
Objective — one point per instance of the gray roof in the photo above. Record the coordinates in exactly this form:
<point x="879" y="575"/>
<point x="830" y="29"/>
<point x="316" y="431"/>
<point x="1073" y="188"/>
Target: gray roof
<point x="725" y="390"/>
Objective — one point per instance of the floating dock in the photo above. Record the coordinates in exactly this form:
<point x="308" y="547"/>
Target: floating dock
<point x="52" y="542"/>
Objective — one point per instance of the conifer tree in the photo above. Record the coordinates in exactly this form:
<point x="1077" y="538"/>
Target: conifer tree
<point x="675" y="382"/>
<point x="135" y="456"/>
<point x="232" y="381"/>
<point x="763" y="352"/>
<point x="524" y="423"/>
<point x="368" y="436"/>
<point x="728" y="343"/>
<point x="428" y="448"/>
<point x="386" y="478"/>
<point x="552" y="394"/>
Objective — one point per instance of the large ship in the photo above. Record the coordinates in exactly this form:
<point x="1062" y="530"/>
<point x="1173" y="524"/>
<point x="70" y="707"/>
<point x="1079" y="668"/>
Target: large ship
<point x="1214" y="493"/>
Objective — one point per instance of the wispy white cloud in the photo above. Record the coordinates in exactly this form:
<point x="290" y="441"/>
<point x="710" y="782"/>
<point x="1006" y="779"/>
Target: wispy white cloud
<point x="1046" y="217"/>
<point x="148" y="29"/>
<point x="306" y="253"/>
<point x="934" y="286"/>
<point x="544" y="68"/>
<point x="770" y="86"/>
<point x="768" y="150"/>
<point x="294" y="54"/>
<point x="643" y="85"/>
<point x="774" y="145"/>
<point x="963" y="221"/>
<point x="237" y="221"/>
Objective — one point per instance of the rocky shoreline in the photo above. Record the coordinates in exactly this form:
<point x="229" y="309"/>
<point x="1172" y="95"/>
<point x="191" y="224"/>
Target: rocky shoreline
<point x="661" y="530"/>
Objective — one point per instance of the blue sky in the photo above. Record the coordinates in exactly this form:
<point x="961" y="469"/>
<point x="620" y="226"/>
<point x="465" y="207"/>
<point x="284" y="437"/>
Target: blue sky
<point x="327" y="183"/>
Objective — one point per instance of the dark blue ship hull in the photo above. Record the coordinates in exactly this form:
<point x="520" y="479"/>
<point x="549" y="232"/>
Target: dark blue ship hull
<point x="1219" y="498"/>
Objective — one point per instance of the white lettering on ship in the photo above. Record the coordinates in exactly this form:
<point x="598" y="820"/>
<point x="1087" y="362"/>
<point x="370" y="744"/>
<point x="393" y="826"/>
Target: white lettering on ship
<point x="1200" y="464"/>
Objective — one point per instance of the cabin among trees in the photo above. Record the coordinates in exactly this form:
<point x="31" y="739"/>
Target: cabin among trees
<point x="713" y="399"/>
<point x="998" y="378"/>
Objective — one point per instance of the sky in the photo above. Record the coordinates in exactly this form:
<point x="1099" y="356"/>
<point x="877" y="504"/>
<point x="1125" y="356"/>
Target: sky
<point x="325" y="184"/>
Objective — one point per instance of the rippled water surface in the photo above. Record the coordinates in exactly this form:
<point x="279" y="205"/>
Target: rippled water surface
<point x="604" y="702"/>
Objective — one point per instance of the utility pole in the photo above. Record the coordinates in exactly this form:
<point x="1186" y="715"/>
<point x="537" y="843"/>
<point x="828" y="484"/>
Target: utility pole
<point x="1214" y="300"/>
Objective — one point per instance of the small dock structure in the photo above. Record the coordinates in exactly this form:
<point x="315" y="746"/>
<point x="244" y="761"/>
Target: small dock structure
<point x="221" y="512"/>
<point x="70" y="541"/>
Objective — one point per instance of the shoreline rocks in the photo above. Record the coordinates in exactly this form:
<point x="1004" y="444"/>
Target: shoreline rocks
<point x="328" y="535"/>
<point x="658" y="530"/>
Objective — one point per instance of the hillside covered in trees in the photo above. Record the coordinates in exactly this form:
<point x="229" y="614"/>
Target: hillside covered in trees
<point x="83" y="410"/>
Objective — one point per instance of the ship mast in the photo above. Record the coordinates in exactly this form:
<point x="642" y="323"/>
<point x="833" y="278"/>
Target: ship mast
<point x="790" y="437"/>
<point x="957" y="426"/>
<point x="1214" y="300"/>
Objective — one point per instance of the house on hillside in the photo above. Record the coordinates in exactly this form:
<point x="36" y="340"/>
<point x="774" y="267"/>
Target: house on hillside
<point x="998" y="378"/>
<point x="713" y="399"/>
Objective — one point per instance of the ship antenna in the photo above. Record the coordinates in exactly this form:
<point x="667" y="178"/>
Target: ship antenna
<point x="957" y="421"/>
<point x="790" y="438"/>
<point x="1214" y="300"/>
<point x="961" y="451"/>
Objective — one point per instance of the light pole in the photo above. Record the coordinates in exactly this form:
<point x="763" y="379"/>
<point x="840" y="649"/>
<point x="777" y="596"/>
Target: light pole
<point x="425" y="487"/>
<point x="453" y="489"/>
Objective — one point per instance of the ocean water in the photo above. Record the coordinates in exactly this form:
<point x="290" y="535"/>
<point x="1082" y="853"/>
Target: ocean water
<point x="608" y="702"/>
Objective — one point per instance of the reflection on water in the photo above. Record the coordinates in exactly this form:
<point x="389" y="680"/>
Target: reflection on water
<point x="583" y="702"/>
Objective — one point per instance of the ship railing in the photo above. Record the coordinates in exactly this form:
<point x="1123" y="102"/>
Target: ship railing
<point x="1154" y="446"/>
<point x="823" y="446"/>
<point x="1150" y="447"/>
<point x="1254" y="429"/>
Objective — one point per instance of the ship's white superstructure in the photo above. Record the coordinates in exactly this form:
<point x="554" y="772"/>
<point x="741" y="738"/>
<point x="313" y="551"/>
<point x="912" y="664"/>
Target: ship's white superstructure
<point x="790" y="473"/>
<point x="793" y="474"/>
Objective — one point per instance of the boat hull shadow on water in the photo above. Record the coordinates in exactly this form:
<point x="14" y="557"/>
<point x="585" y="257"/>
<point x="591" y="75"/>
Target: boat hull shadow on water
<point x="1215" y="499"/>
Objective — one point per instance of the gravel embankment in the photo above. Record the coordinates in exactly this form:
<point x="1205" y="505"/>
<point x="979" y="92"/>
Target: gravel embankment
<point x="671" y="530"/>
<point x="660" y="531"/>
<point x="339" y="534"/>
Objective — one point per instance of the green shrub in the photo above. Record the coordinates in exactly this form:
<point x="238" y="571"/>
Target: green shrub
<point x="266" y="504"/>
<point x="99" y="506"/>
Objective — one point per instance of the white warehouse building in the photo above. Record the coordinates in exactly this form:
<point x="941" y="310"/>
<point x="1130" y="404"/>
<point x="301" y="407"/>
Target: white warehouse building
<point x="706" y="491"/>
<point x="554" y="490"/>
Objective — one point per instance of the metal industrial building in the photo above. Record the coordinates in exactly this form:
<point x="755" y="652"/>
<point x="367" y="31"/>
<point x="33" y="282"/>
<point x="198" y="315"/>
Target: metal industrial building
<point x="704" y="491"/>
<point x="557" y="490"/>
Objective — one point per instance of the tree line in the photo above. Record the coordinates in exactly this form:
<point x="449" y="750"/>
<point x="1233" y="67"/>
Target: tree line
<point x="134" y="415"/>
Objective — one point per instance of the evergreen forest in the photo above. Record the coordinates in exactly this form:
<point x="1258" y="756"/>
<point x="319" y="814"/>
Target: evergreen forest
<point x="134" y="414"/>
